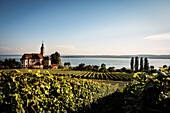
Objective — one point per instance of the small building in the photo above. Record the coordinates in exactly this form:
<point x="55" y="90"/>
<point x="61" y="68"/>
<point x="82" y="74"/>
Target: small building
<point x="53" y="66"/>
<point x="35" y="60"/>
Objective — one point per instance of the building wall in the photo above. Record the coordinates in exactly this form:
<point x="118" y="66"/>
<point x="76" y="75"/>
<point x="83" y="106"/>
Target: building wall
<point x="47" y="62"/>
<point x="25" y="64"/>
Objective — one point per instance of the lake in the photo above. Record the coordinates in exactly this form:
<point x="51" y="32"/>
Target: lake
<point x="116" y="62"/>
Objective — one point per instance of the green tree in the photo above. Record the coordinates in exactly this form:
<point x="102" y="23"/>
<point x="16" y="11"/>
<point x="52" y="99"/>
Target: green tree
<point x="81" y="66"/>
<point x="55" y="58"/>
<point x="11" y="63"/>
<point x="132" y="63"/>
<point x="136" y="63"/>
<point x="141" y="64"/>
<point x="169" y="68"/>
<point x="103" y="65"/>
<point x="165" y="66"/>
<point x="152" y="68"/>
<point x="67" y="64"/>
<point x="146" y="65"/>
<point x="103" y="68"/>
<point x="111" y="69"/>
<point x="88" y="67"/>
<point x="123" y="69"/>
<point x="95" y="68"/>
<point x="1" y="64"/>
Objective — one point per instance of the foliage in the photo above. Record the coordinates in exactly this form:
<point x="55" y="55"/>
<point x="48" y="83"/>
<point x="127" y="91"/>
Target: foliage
<point x="103" y="68"/>
<point x="55" y="58"/>
<point x="9" y="64"/>
<point x="147" y="93"/>
<point x="136" y="63"/>
<point x="146" y="65"/>
<point x="141" y="64"/>
<point x="88" y="67"/>
<point x="111" y="69"/>
<point x="81" y="66"/>
<point x="37" y="92"/>
<point x="132" y="63"/>
<point x="116" y="76"/>
<point x="95" y="68"/>
<point x="103" y="65"/>
<point x="67" y="64"/>
<point x="123" y="69"/>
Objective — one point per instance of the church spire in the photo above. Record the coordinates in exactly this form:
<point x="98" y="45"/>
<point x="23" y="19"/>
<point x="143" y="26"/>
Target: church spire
<point x="42" y="43"/>
<point x="42" y="50"/>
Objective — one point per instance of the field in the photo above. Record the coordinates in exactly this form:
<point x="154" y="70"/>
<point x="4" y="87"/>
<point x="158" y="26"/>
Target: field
<point x="115" y="76"/>
<point x="36" y="92"/>
<point x="82" y="91"/>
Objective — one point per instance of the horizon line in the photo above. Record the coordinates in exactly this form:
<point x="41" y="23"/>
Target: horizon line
<point x="89" y="54"/>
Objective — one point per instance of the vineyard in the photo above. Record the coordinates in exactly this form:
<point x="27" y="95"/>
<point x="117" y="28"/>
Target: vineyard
<point x="116" y="76"/>
<point x="64" y="92"/>
<point x="36" y="92"/>
<point x="149" y="93"/>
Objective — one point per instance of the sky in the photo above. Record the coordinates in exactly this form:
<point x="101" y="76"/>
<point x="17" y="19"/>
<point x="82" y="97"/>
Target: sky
<point x="85" y="27"/>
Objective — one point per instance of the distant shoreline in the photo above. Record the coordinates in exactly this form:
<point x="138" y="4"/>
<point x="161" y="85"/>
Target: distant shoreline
<point x="108" y="56"/>
<point x="117" y="56"/>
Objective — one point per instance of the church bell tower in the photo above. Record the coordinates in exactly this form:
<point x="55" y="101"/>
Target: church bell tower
<point x="42" y="50"/>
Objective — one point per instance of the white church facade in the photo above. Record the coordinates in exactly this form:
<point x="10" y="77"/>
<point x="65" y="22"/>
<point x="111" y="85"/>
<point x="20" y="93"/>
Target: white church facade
<point x="35" y="60"/>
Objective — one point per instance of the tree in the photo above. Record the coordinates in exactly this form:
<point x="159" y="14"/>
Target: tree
<point x="152" y="68"/>
<point x="111" y="69"/>
<point x="55" y="58"/>
<point x="132" y="63"/>
<point x="103" y="65"/>
<point x="10" y="63"/>
<point x="123" y="69"/>
<point x="103" y="68"/>
<point x="1" y="64"/>
<point x="165" y="66"/>
<point x="169" y="68"/>
<point x="81" y="66"/>
<point x="141" y="64"/>
<point x="67" y="64"/>
<point x="136" y="63"/>
<point x="146" y="65"/>
<point x="95" y="68"/>
<point x="88" y="67"/>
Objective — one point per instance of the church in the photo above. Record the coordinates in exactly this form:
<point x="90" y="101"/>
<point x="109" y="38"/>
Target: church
<point x="35" y="60"/>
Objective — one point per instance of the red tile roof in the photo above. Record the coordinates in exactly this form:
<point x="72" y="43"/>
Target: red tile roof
<point x="32" y="56"/>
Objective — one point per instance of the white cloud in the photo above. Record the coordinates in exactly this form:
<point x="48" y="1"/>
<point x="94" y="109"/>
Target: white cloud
<point x="165" y="36"/>
<point x="11" y="49"/>
<point x="8" y="50"/>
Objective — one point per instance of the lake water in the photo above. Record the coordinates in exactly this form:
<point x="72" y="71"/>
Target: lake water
<point x="116" y="62"/>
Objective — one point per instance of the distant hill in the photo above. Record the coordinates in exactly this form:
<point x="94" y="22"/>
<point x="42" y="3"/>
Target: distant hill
<point x="99" y="56"/>
<point x="117" y="56"/>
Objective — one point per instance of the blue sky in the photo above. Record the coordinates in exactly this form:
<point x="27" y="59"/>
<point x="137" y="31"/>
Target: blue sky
<point x="85" y="27"/>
